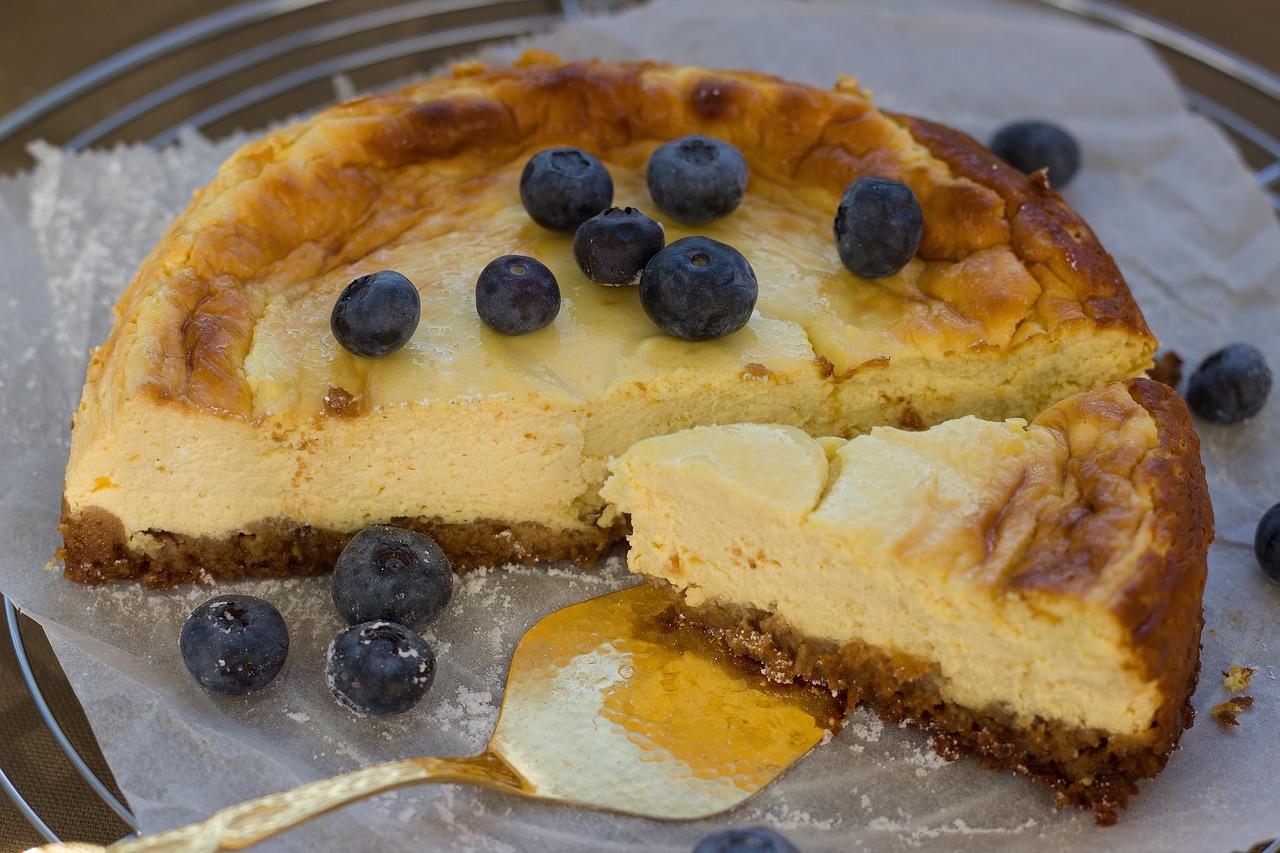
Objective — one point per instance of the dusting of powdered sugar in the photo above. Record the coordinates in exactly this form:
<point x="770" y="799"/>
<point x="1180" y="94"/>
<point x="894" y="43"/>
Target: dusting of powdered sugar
<point x="924" y="758"/>
<point x="471" y="712"/>
<point x="785" y="817"/>
<point x="446" y="811"/>
<point x="914" y="832"/>
<point x="862" y="727"/>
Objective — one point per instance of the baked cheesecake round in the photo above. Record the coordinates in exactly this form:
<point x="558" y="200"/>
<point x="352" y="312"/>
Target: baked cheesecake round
<point x="223" y="429"/>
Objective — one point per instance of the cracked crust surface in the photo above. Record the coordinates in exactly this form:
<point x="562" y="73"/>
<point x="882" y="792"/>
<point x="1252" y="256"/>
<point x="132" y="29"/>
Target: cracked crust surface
<point x="325" y="193"/>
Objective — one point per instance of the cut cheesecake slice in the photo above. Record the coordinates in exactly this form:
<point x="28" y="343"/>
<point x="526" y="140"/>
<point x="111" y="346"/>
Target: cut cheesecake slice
<point x="1029" y="593"/>
<point x="224" y="431"/>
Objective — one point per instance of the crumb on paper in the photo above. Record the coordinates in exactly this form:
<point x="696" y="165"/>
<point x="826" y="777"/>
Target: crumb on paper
<point x="1227" y="713"/>
<point x="1236" y="678"/>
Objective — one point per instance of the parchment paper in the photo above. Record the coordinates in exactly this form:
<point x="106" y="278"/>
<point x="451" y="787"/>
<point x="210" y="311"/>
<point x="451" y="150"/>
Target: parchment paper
<point x="1167" y="195"/>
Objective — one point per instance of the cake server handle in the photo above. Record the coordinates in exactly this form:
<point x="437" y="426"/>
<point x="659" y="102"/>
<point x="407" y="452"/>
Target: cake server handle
<point x="240" y="826"/>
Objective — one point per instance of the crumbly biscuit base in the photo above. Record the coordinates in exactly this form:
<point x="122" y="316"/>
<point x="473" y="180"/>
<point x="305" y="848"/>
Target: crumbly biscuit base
<point x="97" y="548"/>
<point x="1087" y="767"/>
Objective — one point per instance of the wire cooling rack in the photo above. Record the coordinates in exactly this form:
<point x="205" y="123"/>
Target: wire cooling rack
<point x="450" y="26"/>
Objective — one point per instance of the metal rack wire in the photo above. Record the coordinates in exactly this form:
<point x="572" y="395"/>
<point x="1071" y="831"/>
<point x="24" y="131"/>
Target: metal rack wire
<point x="1257" y="142"/>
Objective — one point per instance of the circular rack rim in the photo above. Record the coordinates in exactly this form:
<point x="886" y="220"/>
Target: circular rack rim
<point x="247" y="14"/>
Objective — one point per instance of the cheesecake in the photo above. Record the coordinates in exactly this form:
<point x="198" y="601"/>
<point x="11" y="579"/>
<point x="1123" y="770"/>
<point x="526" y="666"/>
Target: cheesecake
<point x="223" y="431"/>
<point x="1028" y="592"/>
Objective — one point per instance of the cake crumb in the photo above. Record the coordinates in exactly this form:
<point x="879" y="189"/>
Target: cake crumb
<point x="1227" y="713"/>
<point x="1167" y="369"/>
<point x="341" y="403"/>
<point x="1237" y="678"/>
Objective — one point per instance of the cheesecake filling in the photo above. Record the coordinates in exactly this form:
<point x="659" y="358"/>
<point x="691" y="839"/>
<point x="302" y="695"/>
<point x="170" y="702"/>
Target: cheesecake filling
<point x="905" y="542"/>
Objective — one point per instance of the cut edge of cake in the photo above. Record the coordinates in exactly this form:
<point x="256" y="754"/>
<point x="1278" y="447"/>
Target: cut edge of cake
<point x="1138" y="586"/>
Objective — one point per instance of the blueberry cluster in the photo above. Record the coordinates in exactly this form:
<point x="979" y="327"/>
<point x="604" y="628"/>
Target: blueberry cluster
<point x="691" y="293"/>
<point x="694" y="289"/>
<point x="388" y="583"/>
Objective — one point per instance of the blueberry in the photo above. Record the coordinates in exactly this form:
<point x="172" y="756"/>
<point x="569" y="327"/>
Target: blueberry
<point x="394" y="575"/>
<point x="878" y="226"/>
<point x="698" y="288"/>
<point x="1032" y="145"/>
<point x="562" y="188"/>
<point x="379" y="668"/>
<point x="613" y="247"/>
<point x="1266" y="543"/>
<point x="234" y="643"/>
<point x="697" y="179"/>
<point x="376" y="314"/>
<point x="516" y="295"/>
<point x="1230" y="385"/>
<point x="751" y="839"/>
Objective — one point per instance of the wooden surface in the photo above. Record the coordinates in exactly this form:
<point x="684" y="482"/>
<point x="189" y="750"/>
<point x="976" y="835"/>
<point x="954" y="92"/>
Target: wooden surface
<point x="44" y="41"/>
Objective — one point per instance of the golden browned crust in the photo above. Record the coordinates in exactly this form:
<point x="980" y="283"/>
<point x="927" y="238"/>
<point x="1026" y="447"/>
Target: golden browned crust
<point x="97" y="550"/>
<point x="1161" y="603"/>
<point x="1044" y="232"/>
<point x="354" y="176"/>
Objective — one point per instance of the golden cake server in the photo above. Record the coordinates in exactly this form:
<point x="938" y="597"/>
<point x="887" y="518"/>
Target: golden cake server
<point x="609" y="705"/>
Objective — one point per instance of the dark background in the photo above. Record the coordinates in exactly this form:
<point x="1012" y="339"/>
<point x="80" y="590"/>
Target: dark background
<point x="44" y="41"/>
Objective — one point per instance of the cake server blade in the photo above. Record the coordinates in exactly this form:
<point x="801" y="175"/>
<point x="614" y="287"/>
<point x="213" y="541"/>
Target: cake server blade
<point x="609" y="704"/>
